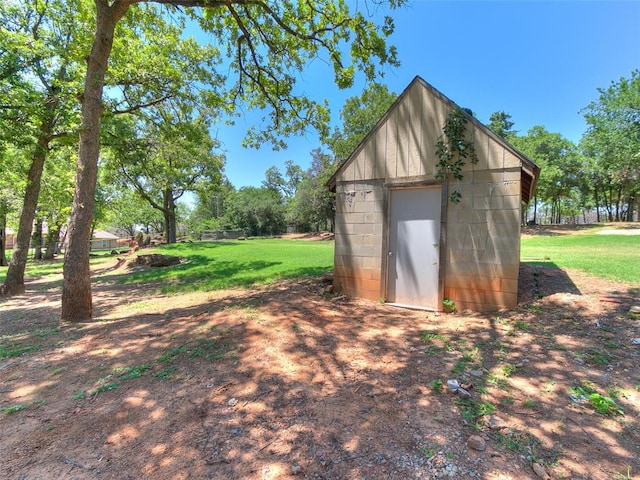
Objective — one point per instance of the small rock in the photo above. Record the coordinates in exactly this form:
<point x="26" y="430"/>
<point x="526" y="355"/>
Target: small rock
<point x="635" y="310"/>
<point x="540" y="471"/>
<point x="464" y="393"/>
<point x="232" y="402"/>
<point x="455" y="387"/>
<point x="636" y="341"/>
<point x="476" y="442"/>
<point x="476" y="373"/>
<point x="496" y="423"/>
<point x="296" y="469"/>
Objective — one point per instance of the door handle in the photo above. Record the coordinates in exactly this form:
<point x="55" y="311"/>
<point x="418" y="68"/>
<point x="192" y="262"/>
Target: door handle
<point x="391" y="254"/>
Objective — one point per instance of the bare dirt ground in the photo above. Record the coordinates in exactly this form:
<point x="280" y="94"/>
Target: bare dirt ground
<point x="282" y="382"/>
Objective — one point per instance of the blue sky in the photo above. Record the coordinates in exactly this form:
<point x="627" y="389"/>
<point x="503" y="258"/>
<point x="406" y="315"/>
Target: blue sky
<point x="541" y="62"/>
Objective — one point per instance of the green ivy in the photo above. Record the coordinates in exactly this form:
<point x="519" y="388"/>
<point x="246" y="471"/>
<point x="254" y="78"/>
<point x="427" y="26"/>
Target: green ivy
<point x="454" y="150"/>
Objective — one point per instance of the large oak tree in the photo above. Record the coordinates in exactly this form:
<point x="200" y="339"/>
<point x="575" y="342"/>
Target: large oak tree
<point x="266" y="44"/>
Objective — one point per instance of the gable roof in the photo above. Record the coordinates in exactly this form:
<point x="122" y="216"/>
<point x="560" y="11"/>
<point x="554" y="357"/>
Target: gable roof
<point x="103" y="235"/>
<point x="530" y="171"/>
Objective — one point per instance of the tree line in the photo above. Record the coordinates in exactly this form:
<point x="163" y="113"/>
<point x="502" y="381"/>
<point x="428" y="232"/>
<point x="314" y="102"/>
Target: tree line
<point x="597" y="179"/>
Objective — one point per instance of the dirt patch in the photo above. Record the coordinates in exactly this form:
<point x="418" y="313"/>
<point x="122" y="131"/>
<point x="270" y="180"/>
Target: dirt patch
<point x="615" y="228"/>
<point x="281" y="382"/>
<point x="319" y="236"/>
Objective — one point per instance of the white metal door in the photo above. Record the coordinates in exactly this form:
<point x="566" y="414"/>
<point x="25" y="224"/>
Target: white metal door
<point x="414" y="250"/>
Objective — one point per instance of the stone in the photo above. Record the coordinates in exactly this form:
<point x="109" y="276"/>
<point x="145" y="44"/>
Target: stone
<point x="232" y="402"/>
<point x="453" y="385"/>
<point x="476" y="373"/>
<point x="540" y="471"/>
<point x="494" y="422"/>
<point x="296" y="469"/>
<point x="635" y="310"/>
<point x="476" y="442"/>
<point x="463" y="392"/>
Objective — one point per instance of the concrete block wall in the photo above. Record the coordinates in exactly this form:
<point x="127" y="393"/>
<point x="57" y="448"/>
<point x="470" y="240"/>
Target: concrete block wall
<point x="483" y="241"/>
<point x="358" y="235"/>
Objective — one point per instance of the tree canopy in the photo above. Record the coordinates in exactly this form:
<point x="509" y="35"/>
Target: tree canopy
<point x="359" y="115"/>
<point x="162" y="156"/>
<point x="612" y="143"/>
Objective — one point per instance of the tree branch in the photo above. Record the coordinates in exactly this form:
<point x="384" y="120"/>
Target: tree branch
<point x="141" y="106"/>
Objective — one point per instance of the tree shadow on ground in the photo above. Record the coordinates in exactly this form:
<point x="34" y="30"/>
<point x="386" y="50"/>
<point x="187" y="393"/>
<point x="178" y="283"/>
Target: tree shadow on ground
<point x="281" y="382"/>
<point x="542" y="279"/>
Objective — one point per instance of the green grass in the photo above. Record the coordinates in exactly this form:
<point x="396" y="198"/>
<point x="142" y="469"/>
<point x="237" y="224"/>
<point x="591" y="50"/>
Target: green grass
<point x="24" y="342"/>
<point x="15" y="350"/>
<point x="50" y="267"/>
<point x="227" y="264"/>
<point x="220" y="265"/>
<point x="600" y="403"/>
<point x="614" y="257"/>
<point x="14" y="408"/>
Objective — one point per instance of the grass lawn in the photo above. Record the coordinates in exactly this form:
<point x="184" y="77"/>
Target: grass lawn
<point x="218" y="265"/>
<point x="42" y="268"/>
<point x="225" y="264"/>
<point x="615" y="257"/>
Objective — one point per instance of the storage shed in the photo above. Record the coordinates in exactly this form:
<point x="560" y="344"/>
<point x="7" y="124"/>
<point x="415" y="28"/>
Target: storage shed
<point x="399" y="237"/>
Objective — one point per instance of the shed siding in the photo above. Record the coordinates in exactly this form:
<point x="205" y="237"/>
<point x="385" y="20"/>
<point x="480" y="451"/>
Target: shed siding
<point x="358" y="238"/>
<point x="482" y="249"/>
<point x="483" y="245"/>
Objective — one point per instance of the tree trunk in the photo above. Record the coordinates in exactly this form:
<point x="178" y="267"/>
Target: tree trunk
<point x="3" y="239"/>
<point x="76" y="287"/>
<point x="53" y="236"/>
<point x="14" y="281"/>
<point x="37" y="240"/>
<point x="618" y="202"/>
<point x="169" y="212"/>
<point x="608" y="199"/>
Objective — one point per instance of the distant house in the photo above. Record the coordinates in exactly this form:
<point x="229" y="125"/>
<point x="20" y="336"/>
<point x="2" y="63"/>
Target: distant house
<point x="401" y="240"/>
<point x="102" y="240"/>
